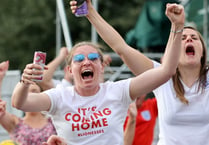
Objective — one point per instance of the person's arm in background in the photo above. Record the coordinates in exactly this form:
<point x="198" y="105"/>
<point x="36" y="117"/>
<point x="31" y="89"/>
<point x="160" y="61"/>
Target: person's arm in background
<point x="107" y="60"/>
<point x="7" y="120"/>
<point x="138" y="63"/>
<point x="47" y="82"/>
<point x="129" y="132"/>
<point x="3" y="69"/>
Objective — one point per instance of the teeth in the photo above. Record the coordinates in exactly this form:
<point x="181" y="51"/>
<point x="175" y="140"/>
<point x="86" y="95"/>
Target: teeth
<point x="87" y="71"/>
<point x="87" y="74"/>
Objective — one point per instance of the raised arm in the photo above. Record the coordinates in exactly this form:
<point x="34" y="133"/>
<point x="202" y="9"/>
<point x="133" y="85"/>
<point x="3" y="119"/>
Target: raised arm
<point x="30" y="102"/>
<point x="155" y="77"/>
<point x="131" y="125"/>
<point x="3" y="69"/>
<point x="47" y="82"/>
<point x="8" y="121"/>
<point x="136" y="61"/>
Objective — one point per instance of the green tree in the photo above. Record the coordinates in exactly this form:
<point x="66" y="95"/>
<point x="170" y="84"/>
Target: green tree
<point x="30" y="25"/>
<point x="26" y="26"/>
<point x="122" y="15"/>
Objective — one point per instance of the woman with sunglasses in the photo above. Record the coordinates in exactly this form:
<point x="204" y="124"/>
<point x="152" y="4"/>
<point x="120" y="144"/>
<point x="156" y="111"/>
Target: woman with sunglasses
<point x="91" y="112"/>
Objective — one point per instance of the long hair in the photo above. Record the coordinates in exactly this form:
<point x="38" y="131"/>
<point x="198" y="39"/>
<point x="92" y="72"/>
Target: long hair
<point x="178" y="86"/>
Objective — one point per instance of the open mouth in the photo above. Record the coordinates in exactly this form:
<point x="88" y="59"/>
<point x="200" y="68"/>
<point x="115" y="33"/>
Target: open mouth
<point x="190" y="50"/>
<point x="86" y="74"/>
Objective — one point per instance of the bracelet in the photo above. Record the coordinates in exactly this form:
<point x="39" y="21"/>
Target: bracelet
<point x="177" y="31"/>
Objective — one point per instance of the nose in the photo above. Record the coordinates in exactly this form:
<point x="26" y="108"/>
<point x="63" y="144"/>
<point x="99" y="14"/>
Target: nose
<point x="86" y="61"/>
<point x="189" y="38"/>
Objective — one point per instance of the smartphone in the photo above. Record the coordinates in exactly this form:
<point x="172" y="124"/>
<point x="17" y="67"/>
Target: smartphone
<point x="82" y="9"/>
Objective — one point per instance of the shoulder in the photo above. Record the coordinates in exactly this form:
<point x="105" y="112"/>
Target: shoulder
<point x="117" y="84"/>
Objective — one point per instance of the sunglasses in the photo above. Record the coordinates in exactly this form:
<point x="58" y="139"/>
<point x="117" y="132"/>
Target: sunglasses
<point x="90" y="56"/>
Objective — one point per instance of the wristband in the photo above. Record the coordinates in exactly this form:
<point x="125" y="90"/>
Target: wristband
<point x="177" y="31"/>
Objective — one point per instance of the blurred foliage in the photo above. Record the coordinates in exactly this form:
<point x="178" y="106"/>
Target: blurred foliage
<point x="122" y="15"/>
<point x="26" y="26"/>
<point x="30" y="25"/>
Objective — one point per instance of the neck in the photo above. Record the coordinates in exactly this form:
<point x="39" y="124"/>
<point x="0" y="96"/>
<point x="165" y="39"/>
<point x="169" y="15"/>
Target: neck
<point x="189" y="75"/>
<point x="87" y="91"/>
<point x="34" y="116"/>
<point x="35" y="119"/>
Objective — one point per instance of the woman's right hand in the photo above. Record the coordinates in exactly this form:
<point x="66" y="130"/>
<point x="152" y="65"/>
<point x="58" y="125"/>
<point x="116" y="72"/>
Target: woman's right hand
<point x="32" y="72"/>
<point x="73" y="5"/>
<point x="175" y="14"/>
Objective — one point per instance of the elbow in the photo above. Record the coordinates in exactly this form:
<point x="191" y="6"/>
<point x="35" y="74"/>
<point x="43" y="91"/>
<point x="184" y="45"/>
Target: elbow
<point x="167" y="72"/>
<point x="170" y="70"/>
<point x="173" y="72"/>
<point x="170" y="73"/>
<point x="16" y="105"/>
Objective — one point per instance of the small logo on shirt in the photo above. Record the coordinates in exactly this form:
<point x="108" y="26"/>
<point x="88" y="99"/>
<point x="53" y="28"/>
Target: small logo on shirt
<point x="146" y="115"/>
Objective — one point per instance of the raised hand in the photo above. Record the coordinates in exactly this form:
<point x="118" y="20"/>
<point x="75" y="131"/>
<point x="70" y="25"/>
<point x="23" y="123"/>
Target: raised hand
<point x="31" y="72"/>
<point x="73" y="5"/>
<point x="132" y="111"/>
<point x="175" y="13"/>
<point x="107" y="59"/>
<point x="3" y="69"/>
<point x="63" y="53"/>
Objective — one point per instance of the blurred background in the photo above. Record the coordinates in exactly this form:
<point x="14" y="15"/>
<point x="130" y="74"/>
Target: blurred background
<point x="28" y="26"/>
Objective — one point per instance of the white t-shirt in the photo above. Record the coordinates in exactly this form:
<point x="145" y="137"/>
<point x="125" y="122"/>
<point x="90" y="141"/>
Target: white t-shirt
<point x="93" y="120"/>
<point x="182" y="124"/>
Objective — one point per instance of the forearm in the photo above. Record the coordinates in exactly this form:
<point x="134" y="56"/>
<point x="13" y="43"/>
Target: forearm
<point x="19" y="95"/>
<point x="106" y="31"/>
<point x="52" y="66"/>
<point x="8" y="122"/>
<point x="129" y="131"/>
<point x="173" y="48"/>
<point x="48" y="74"/>
<point x="137" y="62"/>
<point x="176" y="15"/>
